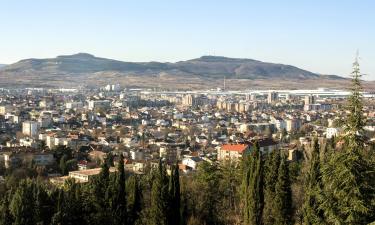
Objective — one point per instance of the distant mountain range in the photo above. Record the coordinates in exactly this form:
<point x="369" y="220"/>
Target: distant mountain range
<point x="204" y="72"/>
<point x="1" y="65"/>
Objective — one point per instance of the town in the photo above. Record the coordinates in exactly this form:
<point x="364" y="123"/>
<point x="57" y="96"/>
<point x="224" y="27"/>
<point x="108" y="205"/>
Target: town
<point x="145" y="126"/>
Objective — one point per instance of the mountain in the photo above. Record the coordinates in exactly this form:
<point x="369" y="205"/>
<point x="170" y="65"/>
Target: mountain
<point x="2" y="65"/>
<point x="205" y="66"/>
<point x="203" y="72"/>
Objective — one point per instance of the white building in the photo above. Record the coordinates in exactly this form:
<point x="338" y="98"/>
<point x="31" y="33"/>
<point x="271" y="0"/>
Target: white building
<point x="30" y="128"/>
<point x="192" y="162"/>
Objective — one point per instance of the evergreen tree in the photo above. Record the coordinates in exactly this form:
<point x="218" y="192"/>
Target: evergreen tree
<point x="57" y="218"/>
<point x="253" y="189"/>
<point x="271" y="174"/>
<point x="119" y="206"/>
<point x="43" y="206"/>
<point x="71" y="206"/>
<point x="134" y="199"/>
<point x="206" y="183"/>
<point x="63" y="165"/>
<point x="348" y="176"/>
<point x="283" y="196"/>
<point x="159" y="197"/>
<point x="175" y="198"/>
<point x="5" y="215"/>
<point x="22" y="204"/>
<point x="311" y="212"/>
<point x="97" y="201"/>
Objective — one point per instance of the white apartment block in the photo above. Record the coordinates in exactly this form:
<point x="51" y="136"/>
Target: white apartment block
<point x="30" y="128"/>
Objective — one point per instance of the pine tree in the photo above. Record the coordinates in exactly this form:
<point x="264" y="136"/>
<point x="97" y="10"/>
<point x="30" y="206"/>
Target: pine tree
<point x="119" y="207"/>
<point x="271" y="174"/>
<point x="175" y="198"/>
<point x="311" y="212"/>
<point x="253" y="189"/>
<point x="348" y="176"/>
<point x="159" y="197"/>
<point x="283" y="196"/>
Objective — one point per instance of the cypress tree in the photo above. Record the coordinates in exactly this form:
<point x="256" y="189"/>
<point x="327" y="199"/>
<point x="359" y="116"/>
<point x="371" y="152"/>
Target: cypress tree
<point x="245" y="186"/>
<point x="348" y="176"/>
<point x="159" y="197"/>
<point x="175" y="198"/>
<point x="63" y="165"/>
<point x="134" y="199"/>
<point x="271" y="174"/>
<point x="254" y="199"/>
<point x="311" y="212"/>
<point x="283" y="195"/>
<point x="119" y="207"/>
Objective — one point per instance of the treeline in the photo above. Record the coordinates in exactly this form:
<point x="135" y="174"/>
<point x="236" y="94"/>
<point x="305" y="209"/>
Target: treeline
<point x="109" y="198"/>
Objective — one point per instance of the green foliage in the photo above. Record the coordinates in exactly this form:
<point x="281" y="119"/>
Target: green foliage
<point x="160" y="197"/>
<point x="175" y="198"/>
<point x="22" y="205"/>
<point x="63" y="166"/>
<point x="348" y="176"/>
<point x="134" y="199"/>
<point x="312" y="214"/>
<point x="253" y="188"/>
<point x="119" y="206"/>
<point x="271" y="175"/>
<point x="5" y="215"/>
<point x="62" y="150"/>
<point x="205" y="189"/>
<point x="283" y="197"/>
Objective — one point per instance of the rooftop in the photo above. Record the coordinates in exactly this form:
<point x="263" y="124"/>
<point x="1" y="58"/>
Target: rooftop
<point x="234" y="147"/>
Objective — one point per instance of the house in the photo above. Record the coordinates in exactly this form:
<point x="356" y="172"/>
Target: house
<point x="13" y="157"/>
<point x="192" y="162"/>
<point x="231" y="151"/>
<point x="83" y="176"/>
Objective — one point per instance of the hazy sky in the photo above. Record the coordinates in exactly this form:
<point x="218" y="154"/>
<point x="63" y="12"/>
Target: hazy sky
<point x="320" y="35"/>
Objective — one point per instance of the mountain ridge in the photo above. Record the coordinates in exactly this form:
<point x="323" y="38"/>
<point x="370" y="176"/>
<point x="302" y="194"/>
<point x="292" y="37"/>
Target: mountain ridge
<point x="216" y="66"/>
<point x="203" y="72"/>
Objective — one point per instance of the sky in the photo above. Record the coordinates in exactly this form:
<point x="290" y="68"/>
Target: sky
<point x="321" y="36"/>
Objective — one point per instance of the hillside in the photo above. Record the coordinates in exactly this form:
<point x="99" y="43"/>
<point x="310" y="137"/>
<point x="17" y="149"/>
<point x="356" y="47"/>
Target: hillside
<point x="203" y="72"/>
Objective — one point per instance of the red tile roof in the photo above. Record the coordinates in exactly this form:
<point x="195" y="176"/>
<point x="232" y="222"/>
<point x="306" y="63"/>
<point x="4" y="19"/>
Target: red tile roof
<point x="234" y="147"/>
